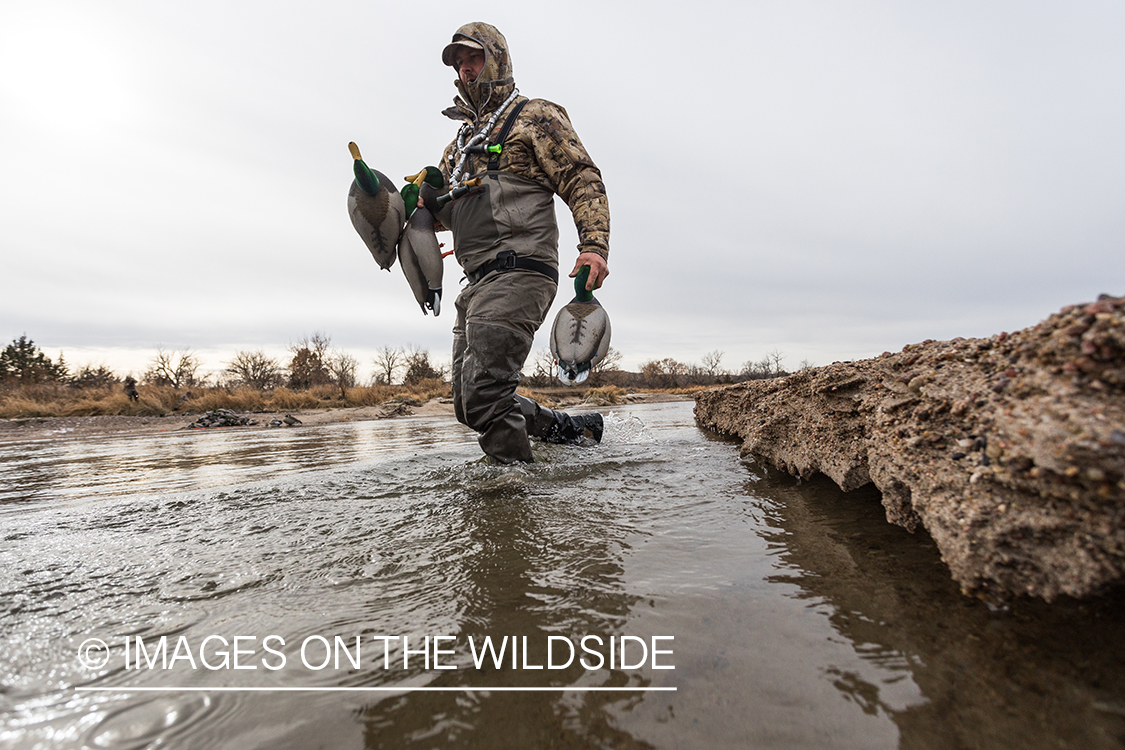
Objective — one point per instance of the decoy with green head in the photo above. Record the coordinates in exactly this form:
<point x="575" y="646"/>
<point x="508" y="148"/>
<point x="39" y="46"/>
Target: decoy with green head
<point x="431" y="190"/>
<point x="580" y="335"/>
<point x="376" y="210"/>
<point x="419" y="252"/>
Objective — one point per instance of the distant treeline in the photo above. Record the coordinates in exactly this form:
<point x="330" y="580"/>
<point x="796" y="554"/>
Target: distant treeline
<point x="315" y="375"/>
<point x="312" y="363"/>
<point x="661" y="374"/>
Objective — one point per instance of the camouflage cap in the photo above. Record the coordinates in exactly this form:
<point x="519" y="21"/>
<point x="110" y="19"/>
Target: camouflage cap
<point x="447" y="54"/>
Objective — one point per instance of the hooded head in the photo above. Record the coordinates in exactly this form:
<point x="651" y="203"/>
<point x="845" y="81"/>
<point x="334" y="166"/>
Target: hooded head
<point x="495" y="81"/>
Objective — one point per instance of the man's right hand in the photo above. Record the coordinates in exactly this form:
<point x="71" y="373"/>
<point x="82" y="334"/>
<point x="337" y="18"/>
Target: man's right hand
<point x="599" y="269"/>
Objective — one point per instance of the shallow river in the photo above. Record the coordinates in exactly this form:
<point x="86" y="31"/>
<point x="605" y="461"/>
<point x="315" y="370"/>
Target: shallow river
<point x="334" y="586"/>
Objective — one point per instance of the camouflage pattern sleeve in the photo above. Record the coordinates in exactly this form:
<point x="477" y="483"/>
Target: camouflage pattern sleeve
<point x="570" y="170"/>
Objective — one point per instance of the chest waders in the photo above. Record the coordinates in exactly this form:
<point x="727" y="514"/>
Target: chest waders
<point x="484" y="226"/>
<point x="499" y="312"/>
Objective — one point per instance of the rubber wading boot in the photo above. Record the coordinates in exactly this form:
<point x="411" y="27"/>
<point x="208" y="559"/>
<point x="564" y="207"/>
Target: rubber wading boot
<point x="571" y="429"/>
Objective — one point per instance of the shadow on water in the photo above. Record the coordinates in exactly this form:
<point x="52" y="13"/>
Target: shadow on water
<point x="531" y="573"/>
<point x="1033" y="675"/>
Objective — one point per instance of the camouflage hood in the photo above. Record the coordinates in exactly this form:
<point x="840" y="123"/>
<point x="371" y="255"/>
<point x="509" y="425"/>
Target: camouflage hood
<point x="495" y="81"/>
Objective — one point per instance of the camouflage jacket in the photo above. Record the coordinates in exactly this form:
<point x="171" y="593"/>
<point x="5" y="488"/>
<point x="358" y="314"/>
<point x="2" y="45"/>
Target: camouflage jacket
<point x="542" y="145"/>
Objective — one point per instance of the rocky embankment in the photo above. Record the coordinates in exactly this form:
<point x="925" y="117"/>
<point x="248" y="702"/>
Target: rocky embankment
<point x="1009" y="450"/>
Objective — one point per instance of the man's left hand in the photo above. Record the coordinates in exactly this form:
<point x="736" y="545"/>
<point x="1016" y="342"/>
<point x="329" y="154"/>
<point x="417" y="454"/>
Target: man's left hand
<point x="599" y="269"/>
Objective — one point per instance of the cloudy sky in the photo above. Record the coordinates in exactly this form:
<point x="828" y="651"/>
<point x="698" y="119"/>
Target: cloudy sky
<point x="828" y="179"/>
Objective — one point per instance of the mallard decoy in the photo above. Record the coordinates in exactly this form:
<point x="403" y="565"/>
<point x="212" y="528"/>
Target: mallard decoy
<point x="434" y="196"/>
<point x="423" y="238"/>
<point x="580" y="335"/>
<point x="412" y="270"/>
<point x="419" y="251"/>
<point x="376" y="209"/>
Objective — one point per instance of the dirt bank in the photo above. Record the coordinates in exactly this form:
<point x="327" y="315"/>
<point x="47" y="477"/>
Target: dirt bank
<point x="1009" y="450"/>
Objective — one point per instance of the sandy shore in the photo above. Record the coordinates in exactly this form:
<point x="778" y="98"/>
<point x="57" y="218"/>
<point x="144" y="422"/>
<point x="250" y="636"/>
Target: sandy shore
<point x="47" y="428"/>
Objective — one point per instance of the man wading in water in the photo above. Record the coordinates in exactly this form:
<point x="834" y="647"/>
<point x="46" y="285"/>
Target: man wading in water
<point x="506" y="239"/>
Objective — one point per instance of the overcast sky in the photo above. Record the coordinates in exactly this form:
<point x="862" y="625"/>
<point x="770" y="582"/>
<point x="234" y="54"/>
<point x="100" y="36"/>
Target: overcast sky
<point x="829" y="179"/>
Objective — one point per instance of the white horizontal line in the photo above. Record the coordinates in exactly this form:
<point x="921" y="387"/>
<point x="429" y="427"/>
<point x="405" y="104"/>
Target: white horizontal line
<point x="400" y="689"/>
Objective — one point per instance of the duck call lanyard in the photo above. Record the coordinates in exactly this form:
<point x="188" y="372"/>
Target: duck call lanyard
<point x="473" y="145"/>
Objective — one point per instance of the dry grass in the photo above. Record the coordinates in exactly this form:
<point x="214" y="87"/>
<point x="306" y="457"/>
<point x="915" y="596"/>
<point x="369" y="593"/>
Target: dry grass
<point x="687" y="390"/>
<point x="539" y="397"/>
<point x="61" y="401"/>
<point x="607" y="395"/>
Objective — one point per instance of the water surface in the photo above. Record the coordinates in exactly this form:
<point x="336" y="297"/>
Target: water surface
<point x="799" y="617"/>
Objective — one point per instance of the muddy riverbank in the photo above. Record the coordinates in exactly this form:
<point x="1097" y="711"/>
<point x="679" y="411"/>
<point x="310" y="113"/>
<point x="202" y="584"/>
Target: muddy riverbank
<point x="1009" y="450"/>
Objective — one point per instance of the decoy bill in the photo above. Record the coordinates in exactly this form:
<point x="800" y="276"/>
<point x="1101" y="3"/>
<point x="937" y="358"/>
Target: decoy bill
<point x="580" y="335"/>
<point x="376" y="210"/>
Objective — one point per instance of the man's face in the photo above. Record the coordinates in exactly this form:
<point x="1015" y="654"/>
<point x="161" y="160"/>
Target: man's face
<point x="469" y="63"/>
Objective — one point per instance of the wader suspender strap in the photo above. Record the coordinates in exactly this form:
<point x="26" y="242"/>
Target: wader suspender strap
<point x="507" y="260"/>
<point x="494" y="158"/>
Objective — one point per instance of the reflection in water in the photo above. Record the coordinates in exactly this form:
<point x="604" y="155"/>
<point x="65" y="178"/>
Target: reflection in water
<point x="539" y="565"/>
<point x="800" y="618"/>
<point x="185" y="460"/>
<point x="1033" y="676"/>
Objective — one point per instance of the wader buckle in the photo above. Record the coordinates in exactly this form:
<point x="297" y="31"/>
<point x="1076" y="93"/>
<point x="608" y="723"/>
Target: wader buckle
<point x="507" y="260"/>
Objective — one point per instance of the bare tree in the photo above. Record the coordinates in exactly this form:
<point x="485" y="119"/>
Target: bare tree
<point x="711" y="363"/>
<point x="387" y="361"/>
<point x="176" y="369"/>
<point x="543" y="369"/>
<point x="610" y="362"/>
<point x="754" y="370"/>
<point x="255" y="370"/>
<point x="343" y="367"/>
<point x="775" y="357"/>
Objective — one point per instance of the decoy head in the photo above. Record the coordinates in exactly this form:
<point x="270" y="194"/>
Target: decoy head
<point x="430" y="175"/>
<point x="364" y="177"/>
<point x="409" y="195"/>
<point x="581" y="294"/>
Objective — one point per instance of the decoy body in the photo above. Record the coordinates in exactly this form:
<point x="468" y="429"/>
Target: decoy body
<point x="419" y="251"/>
<point x="580" y="335"/>
<point x="376" y="209"/>
<point x="431" y="190"/>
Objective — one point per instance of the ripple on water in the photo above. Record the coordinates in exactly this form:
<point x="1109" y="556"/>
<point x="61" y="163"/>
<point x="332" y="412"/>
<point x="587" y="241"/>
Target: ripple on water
<point x="787" y="630"/>
<point x="136" y="725"/>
